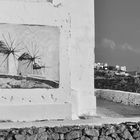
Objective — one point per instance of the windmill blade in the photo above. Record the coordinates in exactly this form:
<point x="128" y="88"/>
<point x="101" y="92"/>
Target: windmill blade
<point x="37" y="57"/>
<point x="27" y="49"/>
<point x="13" y="49"/>
<point x="47" y="66"/>
<point x="36" y="52"/>
<point x="16" y="46"/>
<point x="16" y="55"/>
<point x="35" y="48"/>
<point x="18" y="50"/>
<point x="9" y="37"/>
<point x="5" y="41"/>
<point x="12" y="43"/>
<point x="29" y="63"/>
<point x="25" y="62"/>
<point x="32" y="45"/>
<point x="5" y="59"/>
<point x="19" y="43"/>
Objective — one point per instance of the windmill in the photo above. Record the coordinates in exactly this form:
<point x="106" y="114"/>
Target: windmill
<point x="9" y="54"/>
<point x="28" y="60"/>
<point x="3" y="61"/>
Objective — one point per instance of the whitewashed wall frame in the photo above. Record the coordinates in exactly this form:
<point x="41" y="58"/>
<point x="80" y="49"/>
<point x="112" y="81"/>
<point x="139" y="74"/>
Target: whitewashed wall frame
<point x="36" y="104"/>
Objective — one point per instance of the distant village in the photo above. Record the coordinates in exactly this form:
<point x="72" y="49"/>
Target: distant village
<point x="117" y="70"/>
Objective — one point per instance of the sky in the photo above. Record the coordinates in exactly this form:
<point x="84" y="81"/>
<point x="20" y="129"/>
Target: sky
<point x="117" y="33"/>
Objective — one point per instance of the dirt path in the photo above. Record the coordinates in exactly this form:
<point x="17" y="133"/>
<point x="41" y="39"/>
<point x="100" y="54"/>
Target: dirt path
<point x="117" y="110"/>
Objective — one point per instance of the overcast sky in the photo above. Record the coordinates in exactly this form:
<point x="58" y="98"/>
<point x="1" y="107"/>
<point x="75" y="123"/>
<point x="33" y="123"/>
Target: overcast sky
<point x="117" y="31"/>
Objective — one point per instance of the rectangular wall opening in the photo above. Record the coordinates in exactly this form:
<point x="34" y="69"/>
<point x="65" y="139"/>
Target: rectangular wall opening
<point x="29" y="56"/>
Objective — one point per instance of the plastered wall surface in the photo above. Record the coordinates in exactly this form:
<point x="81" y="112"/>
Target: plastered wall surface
<point x="76" y="79"/>
<point x="38" y="103"/>
<point x="82" y="54"/>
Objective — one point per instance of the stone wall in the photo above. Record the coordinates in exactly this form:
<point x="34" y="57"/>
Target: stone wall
<point x="127" y="98"/>
<point x="123" y="131"/>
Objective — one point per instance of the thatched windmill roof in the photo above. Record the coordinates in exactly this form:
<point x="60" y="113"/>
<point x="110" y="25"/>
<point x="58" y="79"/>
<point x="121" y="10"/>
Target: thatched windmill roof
<point x="25" y="56"/>
<point x="36" y="66"/>
<point x="3" y="48"/>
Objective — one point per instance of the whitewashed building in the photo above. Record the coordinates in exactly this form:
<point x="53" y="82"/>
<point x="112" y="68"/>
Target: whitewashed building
<point x="117" y="67"/>
<point x="123" y="68"/>
<point x="25" y="65"/>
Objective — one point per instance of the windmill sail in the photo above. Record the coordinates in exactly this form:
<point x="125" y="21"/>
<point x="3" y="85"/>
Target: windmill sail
<point x="3" y="58"/>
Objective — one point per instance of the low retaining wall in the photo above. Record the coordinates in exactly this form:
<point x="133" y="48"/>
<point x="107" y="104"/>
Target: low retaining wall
<point x="123" y="131"/>
<point x="34" y="104"/>
<point x="127" y="98"/>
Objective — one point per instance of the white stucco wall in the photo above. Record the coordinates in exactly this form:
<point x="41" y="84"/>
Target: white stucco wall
<point x="55" y="103"/>
<point x="76" y="80"/>
<point x="82" y="54"/>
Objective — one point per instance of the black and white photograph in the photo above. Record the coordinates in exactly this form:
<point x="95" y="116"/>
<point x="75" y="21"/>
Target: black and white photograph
<point x="69" y="69"/>
<point x="29" y="56"/>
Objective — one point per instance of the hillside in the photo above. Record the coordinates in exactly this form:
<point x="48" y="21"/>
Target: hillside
<point x="108" y="80"/>
<point x="8" y="81"/>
